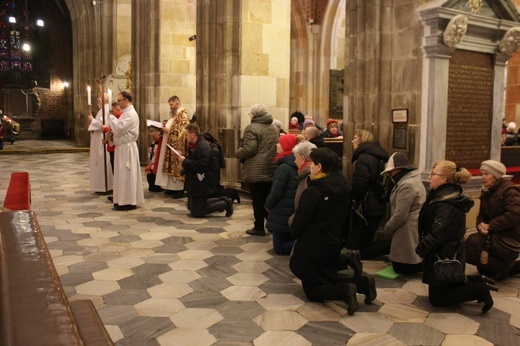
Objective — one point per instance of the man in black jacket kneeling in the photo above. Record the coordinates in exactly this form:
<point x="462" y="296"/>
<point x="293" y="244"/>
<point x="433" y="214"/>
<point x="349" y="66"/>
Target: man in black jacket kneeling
<point x="201" y="181"/>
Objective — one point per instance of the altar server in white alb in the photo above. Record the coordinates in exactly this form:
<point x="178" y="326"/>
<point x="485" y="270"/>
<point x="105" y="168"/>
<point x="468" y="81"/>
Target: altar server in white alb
<point x="100" y="171"/>
<point x="128" y="186"/>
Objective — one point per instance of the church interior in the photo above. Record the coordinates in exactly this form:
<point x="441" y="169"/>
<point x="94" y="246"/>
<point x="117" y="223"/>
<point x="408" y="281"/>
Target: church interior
<point x="435" y="79"/>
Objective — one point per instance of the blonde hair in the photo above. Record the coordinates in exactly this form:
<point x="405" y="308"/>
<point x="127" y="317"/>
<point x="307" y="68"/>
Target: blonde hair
<point x="364" y="135"/>
<point x="453" y="173"/>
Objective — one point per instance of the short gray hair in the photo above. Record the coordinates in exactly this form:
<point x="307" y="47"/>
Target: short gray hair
<point x="258" y="110"/>
<point x="304" y="149"/>
<point x="278" y="123"/>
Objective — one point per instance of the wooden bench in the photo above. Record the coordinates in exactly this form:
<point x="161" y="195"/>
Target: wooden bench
<point x="18" y="196"/>
<point x="34" y="309"/>
<point x="510" y="157"/>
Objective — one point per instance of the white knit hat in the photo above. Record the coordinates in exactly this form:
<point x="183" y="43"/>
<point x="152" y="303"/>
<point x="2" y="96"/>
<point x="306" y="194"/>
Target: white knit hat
<point x="495" y="168"/>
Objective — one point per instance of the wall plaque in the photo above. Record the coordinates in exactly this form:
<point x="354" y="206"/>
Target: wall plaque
<point x="470" y="90"/>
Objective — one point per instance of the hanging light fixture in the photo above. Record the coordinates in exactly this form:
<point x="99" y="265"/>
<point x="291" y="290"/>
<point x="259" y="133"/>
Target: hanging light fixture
<point x="16" y="36"/>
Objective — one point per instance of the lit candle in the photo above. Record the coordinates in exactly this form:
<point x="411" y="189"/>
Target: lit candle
<point x="109" y="97"/>
<point x="88" y="95"/>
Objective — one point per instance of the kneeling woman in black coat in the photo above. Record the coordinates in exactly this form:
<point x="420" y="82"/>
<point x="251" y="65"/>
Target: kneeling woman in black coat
<point x="317" y="227"/>
<point x="442" y="225"/>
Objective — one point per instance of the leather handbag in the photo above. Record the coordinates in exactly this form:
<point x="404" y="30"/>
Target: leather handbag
<point x="449" y="270"/>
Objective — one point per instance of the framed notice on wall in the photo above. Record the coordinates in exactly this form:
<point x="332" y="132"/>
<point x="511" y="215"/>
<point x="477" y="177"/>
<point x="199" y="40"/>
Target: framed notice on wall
<point x="399" y="115"/>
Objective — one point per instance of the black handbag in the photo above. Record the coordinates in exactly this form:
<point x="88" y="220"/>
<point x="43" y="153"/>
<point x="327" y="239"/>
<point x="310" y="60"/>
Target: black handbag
<point x="354" y="227"/>
<point x="449" y="270"/>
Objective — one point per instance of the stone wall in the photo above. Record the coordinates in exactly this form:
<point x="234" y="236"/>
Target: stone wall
<point x="383" y="70"/>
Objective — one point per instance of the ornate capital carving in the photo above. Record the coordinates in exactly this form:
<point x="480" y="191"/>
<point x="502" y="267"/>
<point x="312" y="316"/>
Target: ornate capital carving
<point x="510" y="43"/>
<point x="455" y="30"/>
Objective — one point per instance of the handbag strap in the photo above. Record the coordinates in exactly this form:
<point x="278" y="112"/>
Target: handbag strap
<point x="455" y="254"/>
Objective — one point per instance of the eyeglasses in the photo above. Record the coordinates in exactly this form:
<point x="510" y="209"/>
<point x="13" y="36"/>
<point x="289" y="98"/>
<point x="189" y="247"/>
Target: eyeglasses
<point x="121" y="100"/>
<point x="432" y="173"/>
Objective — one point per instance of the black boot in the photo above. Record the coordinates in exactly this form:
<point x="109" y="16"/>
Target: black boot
<point x="488" y="302"/>
<point x="371" y="293"/>
<point x="229" y="207"/>
<point x="235" y="196"/>
<point x="353" y="259"/>
<point x="350" y="298"/>
<point x="480" y="278"/>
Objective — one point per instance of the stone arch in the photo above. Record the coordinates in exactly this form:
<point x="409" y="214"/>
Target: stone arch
<point x="313" y="48"/>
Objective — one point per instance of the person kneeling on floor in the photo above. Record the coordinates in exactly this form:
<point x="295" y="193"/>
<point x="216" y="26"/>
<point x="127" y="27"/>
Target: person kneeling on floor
<point x="201" y="181"/>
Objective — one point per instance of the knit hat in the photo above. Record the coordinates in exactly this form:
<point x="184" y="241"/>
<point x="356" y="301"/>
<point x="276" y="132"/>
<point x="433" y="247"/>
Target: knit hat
<point x="332" y="121"/>
<point x="307" y="122"/>
<point x="258" y="110"/>
<point x="495" y="168"/>
<point x="398" y="160"/>
<point x="288" y="142"/>
<point x="511" y="126"/>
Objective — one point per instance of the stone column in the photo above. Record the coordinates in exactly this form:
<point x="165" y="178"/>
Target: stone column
<point x="145" y="71"/>
<point x="162" y="60"/>
<point x="85" y="68"/>
<point x="498" y="106"/>
<point x="243" y="51"/>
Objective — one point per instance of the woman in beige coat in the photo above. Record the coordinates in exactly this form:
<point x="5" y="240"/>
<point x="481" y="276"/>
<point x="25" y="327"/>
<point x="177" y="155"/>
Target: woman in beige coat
<point x="406" y="199"/>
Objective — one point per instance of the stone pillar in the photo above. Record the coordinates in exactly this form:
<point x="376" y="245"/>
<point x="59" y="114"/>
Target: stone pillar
<point x="381" y="58"/>
<point x="434" y="105"/>
<point x="85" y="67"/>
<point x="243" y="58"/>
<point x="498" y="106"/>
<point x="162" y="60"/>
<point x="145" y="71"/>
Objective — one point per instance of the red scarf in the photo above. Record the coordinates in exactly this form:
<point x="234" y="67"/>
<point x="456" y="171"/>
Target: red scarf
<point x="305" y="165"/>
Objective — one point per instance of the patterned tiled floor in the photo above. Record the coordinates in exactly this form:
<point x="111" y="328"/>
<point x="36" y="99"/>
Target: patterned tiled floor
<point x="160" y="277"/>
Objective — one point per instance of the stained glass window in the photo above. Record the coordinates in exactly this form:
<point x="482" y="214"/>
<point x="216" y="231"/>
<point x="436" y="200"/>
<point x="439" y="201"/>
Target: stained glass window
<point x="13" y="36"/>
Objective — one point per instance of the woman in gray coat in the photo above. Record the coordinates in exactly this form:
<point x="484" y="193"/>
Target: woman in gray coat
<point x="257" y="152"/>
<point x="406" y="199"/>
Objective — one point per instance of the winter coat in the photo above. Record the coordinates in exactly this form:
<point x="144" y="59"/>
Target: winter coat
<point x="328" y="134"/>
<point x="258" y="150"/>
<point x="406" y="199"/>
<point x="442" y="225"/>
<point x="366" y="171"/>
<point x="500" y="208"/>
<point x="280" y="201"/>
<point x="318" y="141"/>
<point x="317" y="227"/>
<point x="201" y="178"/>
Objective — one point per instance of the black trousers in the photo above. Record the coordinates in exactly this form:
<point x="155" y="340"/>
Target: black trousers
<point x="336" y="290"/>
<point x="150" y="177"/>
<point x="111" y="153"/>
<point x="201" y="206"/>
<point x="454" y="294"/>
<point x="259" y="193"/>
